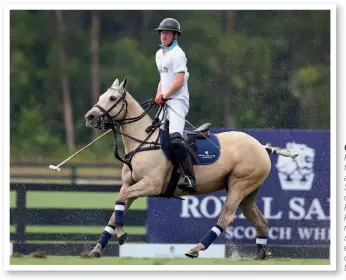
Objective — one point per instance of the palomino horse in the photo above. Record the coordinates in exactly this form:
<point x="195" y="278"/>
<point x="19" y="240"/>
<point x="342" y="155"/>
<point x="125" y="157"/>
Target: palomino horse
<point x="243" y="164"/>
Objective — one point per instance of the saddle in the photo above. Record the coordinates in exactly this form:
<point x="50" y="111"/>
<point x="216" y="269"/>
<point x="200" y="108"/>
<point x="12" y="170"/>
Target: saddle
<point x="203" y="146"/>
<point x="190" y="138"/>
<point x="201" y="132"/>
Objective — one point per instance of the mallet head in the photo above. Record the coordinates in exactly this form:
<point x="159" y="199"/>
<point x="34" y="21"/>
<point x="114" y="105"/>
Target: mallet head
<point x="56" y="168"/>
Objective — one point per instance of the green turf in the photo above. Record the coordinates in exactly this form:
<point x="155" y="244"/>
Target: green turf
<point x="13" y="199"/>
<point x="88" y="200"/>
<point x="113" y="241"/>
<point x="80" y="229"/>
<point x="53" y="260"/>
<point x="64" y="177"/>
<point x="60" y="181"/>
<point x="76" y="229"/>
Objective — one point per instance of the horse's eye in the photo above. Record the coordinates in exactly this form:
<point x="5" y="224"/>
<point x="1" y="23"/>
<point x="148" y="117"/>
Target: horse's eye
<point x="112" y="98"/>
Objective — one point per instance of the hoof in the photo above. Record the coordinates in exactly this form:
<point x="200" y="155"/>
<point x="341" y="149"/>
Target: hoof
<point x="192" y="254"/>
<point x="123" y="238"/>
<point x="94" y="254"/>
<point x="263" y="255"/>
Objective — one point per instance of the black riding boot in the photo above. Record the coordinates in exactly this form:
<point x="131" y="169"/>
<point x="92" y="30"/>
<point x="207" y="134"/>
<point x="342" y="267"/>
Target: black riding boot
<point x="189" y="181"/>
<point x="182" y="155"/>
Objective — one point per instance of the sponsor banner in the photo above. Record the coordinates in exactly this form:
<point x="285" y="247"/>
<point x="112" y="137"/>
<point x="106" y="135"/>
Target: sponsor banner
<point x="294" y="199"/>
<point x="167" y="251"/>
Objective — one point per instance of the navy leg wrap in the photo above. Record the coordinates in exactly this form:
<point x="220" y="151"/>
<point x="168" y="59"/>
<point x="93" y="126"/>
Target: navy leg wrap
<point x="106" y="235"/>
<point x="261" y="242"/>
<point x="211" y="236"/>
<point x="119" y="213"/>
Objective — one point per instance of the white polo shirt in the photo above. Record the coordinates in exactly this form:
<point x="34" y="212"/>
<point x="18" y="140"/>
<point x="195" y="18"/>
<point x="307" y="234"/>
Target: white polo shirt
<point x="169" y="63"/>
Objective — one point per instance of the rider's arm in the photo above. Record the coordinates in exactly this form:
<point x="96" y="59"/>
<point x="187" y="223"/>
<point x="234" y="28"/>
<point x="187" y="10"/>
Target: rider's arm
<point x="159" y="90"/>
<point x="179" y="62"/>
<point x="178" y="82"/>
<point x="158" y="65"/>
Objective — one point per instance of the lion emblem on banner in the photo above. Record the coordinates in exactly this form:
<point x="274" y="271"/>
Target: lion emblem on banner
<point x="298" y="173"/>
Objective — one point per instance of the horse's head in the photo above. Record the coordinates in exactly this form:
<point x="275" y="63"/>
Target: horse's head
<point x="111" y="106"/>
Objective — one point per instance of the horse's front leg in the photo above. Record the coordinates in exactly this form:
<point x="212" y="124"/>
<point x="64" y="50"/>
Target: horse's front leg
<point x="118" y="216"/>
<point x="143" y="188"/>
<point x="127" y="194"/>
<point x="112" y="227"/>
<point x="118" y="225"/>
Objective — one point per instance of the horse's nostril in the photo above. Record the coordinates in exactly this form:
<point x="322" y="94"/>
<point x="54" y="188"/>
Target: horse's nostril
<point x="90" y="117"/>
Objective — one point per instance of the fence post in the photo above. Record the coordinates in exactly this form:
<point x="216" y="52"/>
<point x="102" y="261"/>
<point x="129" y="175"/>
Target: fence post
<point x="73" y="175"/>
<point x="21" y="212"/>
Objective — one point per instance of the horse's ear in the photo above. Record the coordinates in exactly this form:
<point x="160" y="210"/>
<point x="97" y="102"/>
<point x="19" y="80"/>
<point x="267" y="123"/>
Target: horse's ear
<point x="116" y="83"/>
<point x="123" y="83"/>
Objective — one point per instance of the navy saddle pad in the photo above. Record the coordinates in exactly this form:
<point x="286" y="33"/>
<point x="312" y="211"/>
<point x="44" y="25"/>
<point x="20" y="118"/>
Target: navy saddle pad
<point x="203" y="151"/>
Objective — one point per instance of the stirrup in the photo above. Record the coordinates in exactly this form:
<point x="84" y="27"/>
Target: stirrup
<point x="188" y="184"/>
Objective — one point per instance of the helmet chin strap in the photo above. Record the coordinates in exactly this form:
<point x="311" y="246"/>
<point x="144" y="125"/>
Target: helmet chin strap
<point x="173" y="39"/>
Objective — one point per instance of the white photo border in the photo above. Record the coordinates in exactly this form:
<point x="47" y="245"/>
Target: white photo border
<point x="168" y="5"/>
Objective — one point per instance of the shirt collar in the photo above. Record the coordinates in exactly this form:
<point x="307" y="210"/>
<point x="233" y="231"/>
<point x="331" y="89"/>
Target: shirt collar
<point x="171" y="46"/>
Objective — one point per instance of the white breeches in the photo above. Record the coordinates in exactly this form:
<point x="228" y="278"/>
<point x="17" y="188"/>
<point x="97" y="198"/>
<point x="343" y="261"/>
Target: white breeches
<point x="176" y="123"/>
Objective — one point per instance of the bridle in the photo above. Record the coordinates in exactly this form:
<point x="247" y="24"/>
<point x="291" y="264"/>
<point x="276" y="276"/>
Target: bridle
<point x="106" y="114"/>
<point x="108" y="122"/>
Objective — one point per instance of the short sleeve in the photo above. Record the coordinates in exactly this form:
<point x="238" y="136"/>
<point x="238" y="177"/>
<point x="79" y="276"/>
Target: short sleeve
<point x="179" y="62"/>
<point x="158" y="61"/>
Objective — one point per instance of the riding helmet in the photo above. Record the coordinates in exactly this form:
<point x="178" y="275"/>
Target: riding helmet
<point x="169" y="24"/>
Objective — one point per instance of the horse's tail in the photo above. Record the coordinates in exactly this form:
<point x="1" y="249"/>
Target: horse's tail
<point x="281" y="151"/>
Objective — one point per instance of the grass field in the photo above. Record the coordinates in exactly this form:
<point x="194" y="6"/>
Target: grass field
<point x="37" y="199"/>
<point x="44" y="171"/>
<point x="23" y="174"/>
<point x="28" y="260"/>
<point x="75" y="200"/>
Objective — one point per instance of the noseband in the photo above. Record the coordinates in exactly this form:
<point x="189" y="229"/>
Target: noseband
<point x="109" y="121"/>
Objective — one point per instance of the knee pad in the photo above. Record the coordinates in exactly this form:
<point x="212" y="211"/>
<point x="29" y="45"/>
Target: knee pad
<point x="178" y="146"/>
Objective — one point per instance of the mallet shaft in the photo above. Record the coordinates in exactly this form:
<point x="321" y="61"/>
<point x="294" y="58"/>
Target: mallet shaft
<point x="97" y="138"/>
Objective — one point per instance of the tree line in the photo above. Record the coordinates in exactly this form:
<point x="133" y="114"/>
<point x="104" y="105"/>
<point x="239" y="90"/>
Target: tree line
<point x="248" y="69"/>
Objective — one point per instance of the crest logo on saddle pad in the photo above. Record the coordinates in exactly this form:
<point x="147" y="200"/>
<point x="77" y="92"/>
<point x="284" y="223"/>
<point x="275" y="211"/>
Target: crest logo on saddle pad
<point x="206" y="155"/>
<point x="297" y="174"/>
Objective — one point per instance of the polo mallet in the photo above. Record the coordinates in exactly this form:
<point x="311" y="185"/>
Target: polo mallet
<point x="57" y="167"/>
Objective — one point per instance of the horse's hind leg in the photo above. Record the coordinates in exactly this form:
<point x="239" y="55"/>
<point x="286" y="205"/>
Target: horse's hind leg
<point x="235" y="195"/>
<point x="253" y="214"/>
